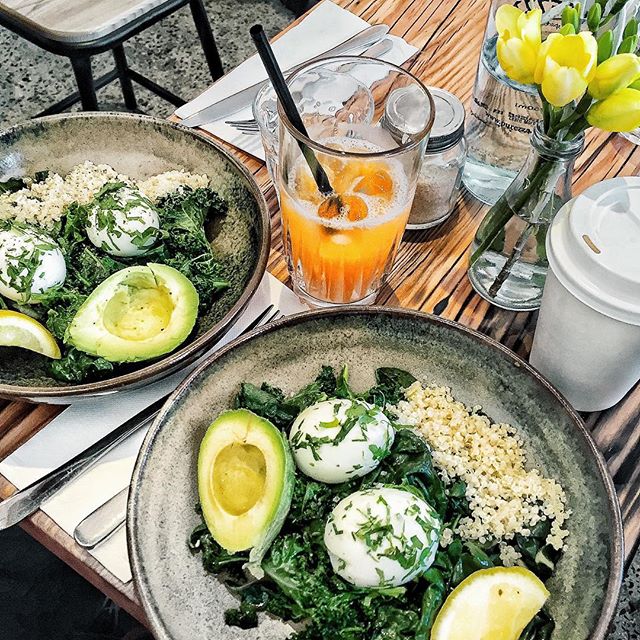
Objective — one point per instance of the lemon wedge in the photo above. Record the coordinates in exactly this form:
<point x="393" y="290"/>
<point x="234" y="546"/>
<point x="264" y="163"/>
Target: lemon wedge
<point x="20" y="330"/>
<point x="491" y="604"/>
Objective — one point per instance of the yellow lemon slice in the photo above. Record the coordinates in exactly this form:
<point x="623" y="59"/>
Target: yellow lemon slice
<point x="491" y="604"/>
<point x="19" y="330"/>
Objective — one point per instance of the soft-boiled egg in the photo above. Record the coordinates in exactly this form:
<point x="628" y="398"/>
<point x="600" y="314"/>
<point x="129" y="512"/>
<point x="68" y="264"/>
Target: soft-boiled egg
<point x="336" y="440"/>
<point x="382" y="537"/>
<point x="30" y="263"/>
<point x="123" y="223"/>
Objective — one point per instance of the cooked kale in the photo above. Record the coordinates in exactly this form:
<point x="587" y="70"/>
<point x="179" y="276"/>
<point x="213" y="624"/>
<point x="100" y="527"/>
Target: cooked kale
<point x="299" y="583"/>
<point x="183" y="245"/>
<point x="12" y="184"/>
<point x="76" y="366"/>
<point x="15" y="184"/>
<point x="390" y="383"/>
<point x="271" y="403"/>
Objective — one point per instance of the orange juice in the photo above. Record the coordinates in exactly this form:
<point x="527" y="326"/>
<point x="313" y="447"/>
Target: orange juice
<point x="339" y="254"/>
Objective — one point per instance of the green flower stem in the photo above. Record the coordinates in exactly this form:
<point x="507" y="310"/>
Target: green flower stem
<point x="545" y="109"/>
<point x="577" y="128"/>
<point x="515" y="256"/>
<point x="502" y="211"/>
<point x="545" y="170"/>
<point x="578" y="114"/>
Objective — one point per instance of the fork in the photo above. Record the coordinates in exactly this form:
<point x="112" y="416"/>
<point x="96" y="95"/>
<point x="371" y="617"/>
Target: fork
<point x="111" y="515"/>
<point x="248" y="127"/>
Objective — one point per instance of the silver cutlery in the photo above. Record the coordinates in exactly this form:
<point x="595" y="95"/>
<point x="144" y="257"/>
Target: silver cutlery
<point x="25" y="502"/>
<point x="238" y="101"/>
<point x="250" y="127"/>
<point x="102" y="522"/>
<point x="110" y="516"/>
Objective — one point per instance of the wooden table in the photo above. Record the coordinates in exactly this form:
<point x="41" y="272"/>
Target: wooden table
<point x="429" y="273"/>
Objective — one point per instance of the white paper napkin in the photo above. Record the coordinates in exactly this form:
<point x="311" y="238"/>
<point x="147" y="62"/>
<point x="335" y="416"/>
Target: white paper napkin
<point x="324" y="28"/>
<point x="82" y="424"/>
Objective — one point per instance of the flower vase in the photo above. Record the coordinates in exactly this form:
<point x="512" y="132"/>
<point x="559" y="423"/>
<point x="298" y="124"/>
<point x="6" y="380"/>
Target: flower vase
<point x="508" y="264"/>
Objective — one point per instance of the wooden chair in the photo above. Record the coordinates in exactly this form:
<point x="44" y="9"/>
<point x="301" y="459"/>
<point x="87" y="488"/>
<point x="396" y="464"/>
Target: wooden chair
<point x="79" y="29"/>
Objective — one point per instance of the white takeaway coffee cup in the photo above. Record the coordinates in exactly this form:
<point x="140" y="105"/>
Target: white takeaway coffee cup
<point x="587" y="341"/>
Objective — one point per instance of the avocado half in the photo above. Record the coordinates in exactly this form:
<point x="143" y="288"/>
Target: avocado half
<point x="136" y="314"/>
<point x="245" y="481"/>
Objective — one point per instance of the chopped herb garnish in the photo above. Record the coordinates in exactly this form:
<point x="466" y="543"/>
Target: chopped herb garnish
<point x="301" y="585"/>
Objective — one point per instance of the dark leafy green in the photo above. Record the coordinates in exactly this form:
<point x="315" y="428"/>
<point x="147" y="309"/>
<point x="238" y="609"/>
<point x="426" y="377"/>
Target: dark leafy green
<point x="183" y="245"/>
<point x="390" y="383"/>
<point x="299" y="583"/>
<point x="271" y="403"/>
<point x="76" y="366"/>
<point x="12" y="185"/>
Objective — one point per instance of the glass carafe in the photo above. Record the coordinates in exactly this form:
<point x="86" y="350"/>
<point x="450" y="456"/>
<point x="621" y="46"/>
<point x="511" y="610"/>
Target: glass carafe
<point x="502" y="113"/>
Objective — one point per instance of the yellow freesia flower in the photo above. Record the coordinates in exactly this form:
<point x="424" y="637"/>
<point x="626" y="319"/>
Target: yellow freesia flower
<point x="519" y="38"/>
<point x="614" y="74"/>
<point x="618" y="113"/>
<point x="566" y="65"/>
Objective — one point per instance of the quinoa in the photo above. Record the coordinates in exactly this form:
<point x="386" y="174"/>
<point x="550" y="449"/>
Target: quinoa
<point x="44" y="203"/>
<point x="504" y="497"/>
<point x="161" y="185"/>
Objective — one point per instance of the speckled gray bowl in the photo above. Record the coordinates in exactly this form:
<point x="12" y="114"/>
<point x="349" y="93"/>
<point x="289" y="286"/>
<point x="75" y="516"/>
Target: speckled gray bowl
<point x="182" y="602"/>
<point x="140" y="146"/>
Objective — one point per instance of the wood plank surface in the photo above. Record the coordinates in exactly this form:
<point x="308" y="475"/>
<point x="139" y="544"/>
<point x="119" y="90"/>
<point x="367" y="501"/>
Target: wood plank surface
<point x="429" y="273"/>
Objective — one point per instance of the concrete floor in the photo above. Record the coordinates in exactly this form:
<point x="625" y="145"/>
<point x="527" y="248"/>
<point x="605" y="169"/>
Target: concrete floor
<point x="43" y="599"/>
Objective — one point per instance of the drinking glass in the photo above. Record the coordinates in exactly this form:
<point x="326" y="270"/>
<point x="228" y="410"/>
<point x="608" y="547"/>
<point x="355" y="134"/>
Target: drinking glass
<point x="265" y="113"/>
<point x="340" y="248"/>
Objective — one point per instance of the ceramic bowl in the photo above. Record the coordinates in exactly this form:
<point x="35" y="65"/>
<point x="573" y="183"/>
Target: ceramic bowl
<point x="183" y="602"/>
<point x="140" y="146"/>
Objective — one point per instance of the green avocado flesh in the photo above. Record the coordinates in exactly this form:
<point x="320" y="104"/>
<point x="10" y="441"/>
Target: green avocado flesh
<point x="136" y="314"/>
<point x="245" y="481"/>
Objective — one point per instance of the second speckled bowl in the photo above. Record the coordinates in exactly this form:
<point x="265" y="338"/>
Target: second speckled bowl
<point x="182" y="602"/>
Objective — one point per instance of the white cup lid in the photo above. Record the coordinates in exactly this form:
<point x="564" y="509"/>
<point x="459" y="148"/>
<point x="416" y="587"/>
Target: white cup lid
<point x="593" y="247"/>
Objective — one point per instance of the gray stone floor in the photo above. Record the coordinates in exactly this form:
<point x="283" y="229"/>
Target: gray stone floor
<point x="31" y="80"/>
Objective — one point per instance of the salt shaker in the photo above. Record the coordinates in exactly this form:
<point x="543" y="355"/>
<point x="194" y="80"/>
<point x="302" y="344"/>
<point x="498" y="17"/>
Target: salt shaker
<point x="440" y="178"/>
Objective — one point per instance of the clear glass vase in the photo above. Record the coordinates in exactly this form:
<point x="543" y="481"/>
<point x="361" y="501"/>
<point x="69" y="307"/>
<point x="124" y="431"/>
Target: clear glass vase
<point x="508" y="264"/>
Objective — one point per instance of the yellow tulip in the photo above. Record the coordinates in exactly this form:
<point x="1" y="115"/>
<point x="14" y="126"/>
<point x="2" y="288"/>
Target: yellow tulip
<point x="618" y="113"/>
<point x="519" y="38"/>
<point x="614" y="74"/>
<point x="566" y="65"/>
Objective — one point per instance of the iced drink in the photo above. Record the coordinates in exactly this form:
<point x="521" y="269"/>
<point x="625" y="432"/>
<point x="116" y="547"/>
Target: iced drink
<point x="339" y="255"/>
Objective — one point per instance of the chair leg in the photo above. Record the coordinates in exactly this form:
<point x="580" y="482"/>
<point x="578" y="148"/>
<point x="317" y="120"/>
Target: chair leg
<point x="125" y="81"/>
<point x="84" y="78"/>
<point x="206" y="38"/>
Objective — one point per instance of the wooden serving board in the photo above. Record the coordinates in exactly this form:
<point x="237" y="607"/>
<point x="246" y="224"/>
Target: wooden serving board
<point x="429" y="273"/>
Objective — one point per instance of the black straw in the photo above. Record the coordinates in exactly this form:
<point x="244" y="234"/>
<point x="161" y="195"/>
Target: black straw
<point x="284" y="95"/>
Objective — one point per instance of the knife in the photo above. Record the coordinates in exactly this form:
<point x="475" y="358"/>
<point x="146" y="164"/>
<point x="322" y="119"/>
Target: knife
<point x="28" y="500"/>
<point x="238" y="101"/>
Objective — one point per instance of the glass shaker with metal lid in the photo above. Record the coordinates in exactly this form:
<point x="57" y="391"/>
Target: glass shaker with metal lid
<point x="440" y="178"/>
